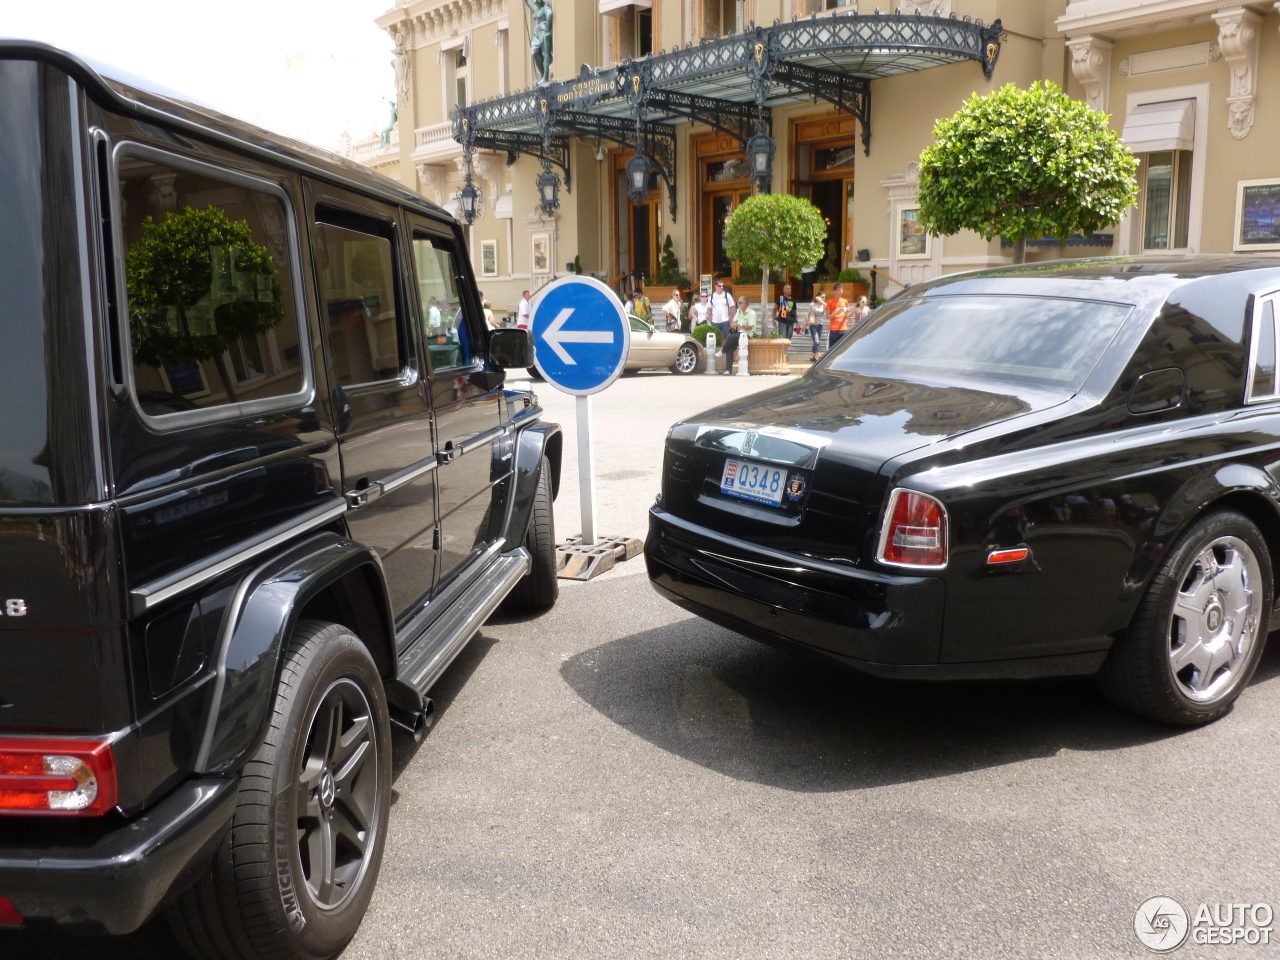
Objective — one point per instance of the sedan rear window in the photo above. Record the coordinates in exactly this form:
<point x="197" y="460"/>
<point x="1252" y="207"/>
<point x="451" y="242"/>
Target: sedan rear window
<point x="1038" y="341"/>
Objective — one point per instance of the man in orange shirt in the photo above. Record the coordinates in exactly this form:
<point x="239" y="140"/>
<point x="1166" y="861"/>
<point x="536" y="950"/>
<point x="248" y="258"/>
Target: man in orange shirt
<point x="837" y="316"/>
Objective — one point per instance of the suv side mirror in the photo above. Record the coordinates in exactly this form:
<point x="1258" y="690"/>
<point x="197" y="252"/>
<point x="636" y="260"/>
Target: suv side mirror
<point x="510" y="348"/>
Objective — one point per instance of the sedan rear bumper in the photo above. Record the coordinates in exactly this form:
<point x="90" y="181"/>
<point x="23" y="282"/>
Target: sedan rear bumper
<point x="884" y="624"/>
<point x="850" y="614"/>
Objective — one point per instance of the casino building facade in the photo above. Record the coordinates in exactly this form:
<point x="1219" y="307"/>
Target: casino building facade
<point x="659" y="117"/>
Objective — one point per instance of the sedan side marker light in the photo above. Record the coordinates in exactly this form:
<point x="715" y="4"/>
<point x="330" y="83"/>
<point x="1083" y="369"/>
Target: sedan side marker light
<point x="9" y="915"/>
<point x="1007" y="556"/>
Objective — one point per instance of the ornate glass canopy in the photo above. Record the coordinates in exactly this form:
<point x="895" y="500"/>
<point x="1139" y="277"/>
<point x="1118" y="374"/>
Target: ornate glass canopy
<point x="730" y="83"/>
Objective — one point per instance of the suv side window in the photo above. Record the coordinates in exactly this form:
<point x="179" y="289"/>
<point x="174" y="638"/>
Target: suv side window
<point x="444" y="320"/>
<point x="212" y="307"/>
<point x="356" y="260"/>
<point x="1262" y="350"/>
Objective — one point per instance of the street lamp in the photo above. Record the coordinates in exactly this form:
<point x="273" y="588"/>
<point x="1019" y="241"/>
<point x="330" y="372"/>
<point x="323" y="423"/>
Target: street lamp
<point x="760" y="149"/>
<point x="469" y="198"/>
<point x="548" y="190"/>
<point x="638" y="177"/>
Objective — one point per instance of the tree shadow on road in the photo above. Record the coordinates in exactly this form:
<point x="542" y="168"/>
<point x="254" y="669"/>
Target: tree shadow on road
<point x="778" y="718"/>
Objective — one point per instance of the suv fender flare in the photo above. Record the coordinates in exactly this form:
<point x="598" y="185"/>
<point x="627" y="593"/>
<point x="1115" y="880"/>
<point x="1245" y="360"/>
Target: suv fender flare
<point x="259" y="620"/>
<point x="532" y="444"/>
<point x="1181" y="509"/>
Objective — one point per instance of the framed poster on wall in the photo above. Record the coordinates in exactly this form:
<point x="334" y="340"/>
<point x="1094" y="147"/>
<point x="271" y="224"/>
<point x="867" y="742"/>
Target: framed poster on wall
<point x="1257" y="215"/>
<point x="541" y="258"/>
<point x="912" y="240"/>
<point x="488" y="258"/>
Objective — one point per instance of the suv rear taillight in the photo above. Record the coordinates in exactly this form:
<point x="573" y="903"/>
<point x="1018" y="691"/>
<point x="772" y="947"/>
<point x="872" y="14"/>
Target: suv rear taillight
<point x="914" y="532"/>
<point x="56" y="776"/>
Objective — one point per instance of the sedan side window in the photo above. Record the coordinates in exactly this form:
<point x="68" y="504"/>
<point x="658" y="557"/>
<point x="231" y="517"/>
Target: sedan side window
<point x="444" y="319"/>
<point x="638" y="325"/>
<point x="1262" y="372"/>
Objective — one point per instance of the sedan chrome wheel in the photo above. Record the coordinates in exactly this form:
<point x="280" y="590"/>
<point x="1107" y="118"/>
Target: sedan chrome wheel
<point x="686" y="359"/>
<point x="337" y="794"/>
<point x="1214" y="624"/>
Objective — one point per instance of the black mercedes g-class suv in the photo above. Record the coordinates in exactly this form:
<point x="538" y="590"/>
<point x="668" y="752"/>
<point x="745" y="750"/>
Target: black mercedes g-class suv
<point x="260" y="481"/>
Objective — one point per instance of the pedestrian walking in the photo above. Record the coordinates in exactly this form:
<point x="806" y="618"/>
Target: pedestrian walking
<point x="817" y="319"/>
<point x="700" y="311"/>
<point x="643" y="306"/>
<point x="784" y="312"/>
<point x="837" y="316"/>
<point x="629" y="305"/>
<point x="721" y="308"/>
<point x="523" y="311"/>
<point x="671" y="310"/>
<point x="861" y="311"/>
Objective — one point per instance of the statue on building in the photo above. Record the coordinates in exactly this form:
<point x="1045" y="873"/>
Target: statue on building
<point x="540" y="39"/>
<point x="384" y="138"/>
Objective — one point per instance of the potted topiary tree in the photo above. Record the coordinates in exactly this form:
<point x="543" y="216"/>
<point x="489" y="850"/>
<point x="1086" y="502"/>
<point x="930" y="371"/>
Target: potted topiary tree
<point x="773" y="230"/>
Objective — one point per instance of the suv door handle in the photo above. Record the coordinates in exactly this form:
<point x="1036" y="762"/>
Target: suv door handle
<point x="447" y="454"/>
<point x="363" y="494"/>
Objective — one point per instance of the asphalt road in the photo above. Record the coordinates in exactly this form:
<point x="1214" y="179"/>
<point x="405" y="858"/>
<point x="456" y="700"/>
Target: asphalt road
<point x="618" y="779"/>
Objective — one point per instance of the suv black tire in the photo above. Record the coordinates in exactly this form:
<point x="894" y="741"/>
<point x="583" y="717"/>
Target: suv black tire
<point x="1151" y="669"/>
<point x="256" y="902"/>
<point x="539" y="588"/>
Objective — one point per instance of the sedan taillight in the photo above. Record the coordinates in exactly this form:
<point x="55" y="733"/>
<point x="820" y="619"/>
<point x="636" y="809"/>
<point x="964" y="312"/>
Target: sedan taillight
<point x="914" y="532"/>
<point x="56" y="776"/>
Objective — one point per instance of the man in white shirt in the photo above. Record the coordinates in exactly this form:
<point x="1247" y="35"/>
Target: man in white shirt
<point x="433" y="317"/>
<point x="522" y="311"/>
<point x="722" y="307"/>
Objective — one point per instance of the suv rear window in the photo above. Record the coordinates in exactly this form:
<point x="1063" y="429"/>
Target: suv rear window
<point x="209" y="279"/>
<point x="1038" y="341"/>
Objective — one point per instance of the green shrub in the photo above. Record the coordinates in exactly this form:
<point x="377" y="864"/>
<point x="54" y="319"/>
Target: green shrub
<point x="701" y="330"/>
<point x="851" y="275"/>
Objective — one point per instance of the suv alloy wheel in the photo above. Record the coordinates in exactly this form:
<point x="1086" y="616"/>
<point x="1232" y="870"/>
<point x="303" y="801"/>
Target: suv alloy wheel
<point x="297" y="868"/>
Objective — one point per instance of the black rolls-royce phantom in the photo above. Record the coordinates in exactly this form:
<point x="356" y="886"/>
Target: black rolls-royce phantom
<point x="1053" y="469"/>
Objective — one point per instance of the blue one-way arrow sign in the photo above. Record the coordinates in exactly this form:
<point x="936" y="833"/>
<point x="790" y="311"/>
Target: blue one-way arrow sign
<point x="580" y="335"/>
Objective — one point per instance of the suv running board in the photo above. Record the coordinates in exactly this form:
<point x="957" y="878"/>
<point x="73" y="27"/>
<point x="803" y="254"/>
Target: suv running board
<point x="424" y="661"/>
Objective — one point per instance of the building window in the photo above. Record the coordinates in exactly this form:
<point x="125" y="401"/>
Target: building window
<point x="504" y="61"/>
<point x="722" y="17"/>
<point x="644" y="32"/>
<point x="629" y="32"/>
<point x="1166" y="199"/>
<point x="461" y="75"/>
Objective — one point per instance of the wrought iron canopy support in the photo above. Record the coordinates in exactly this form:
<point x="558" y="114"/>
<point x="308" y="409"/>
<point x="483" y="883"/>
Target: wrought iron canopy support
<point x="514" y="144"/>
<point x="657" y="141"/>
<point x="847" y="93"/>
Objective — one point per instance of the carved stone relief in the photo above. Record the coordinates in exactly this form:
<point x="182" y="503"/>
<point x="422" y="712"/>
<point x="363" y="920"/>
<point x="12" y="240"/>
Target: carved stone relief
<point x="1238" y="34"/>
<point x="1091" y="65"/>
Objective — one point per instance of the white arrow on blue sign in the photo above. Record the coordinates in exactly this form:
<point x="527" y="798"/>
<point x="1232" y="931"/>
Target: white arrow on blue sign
<point x="580" y="335"/>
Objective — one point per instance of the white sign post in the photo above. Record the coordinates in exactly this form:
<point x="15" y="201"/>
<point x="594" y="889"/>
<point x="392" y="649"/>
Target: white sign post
<point x="586" y="471"/>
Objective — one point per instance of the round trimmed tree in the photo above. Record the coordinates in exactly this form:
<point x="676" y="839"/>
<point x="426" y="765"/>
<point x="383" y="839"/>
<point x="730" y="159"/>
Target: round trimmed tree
<point x="775" y="230"/>
<point x="1021" y="164"/>
<point x="196" y="281"/>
